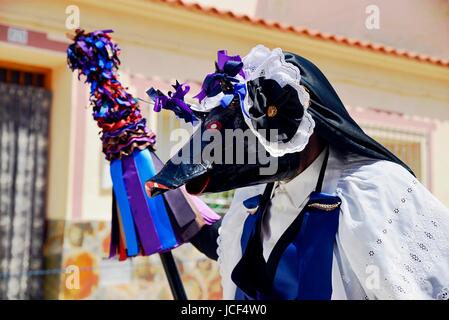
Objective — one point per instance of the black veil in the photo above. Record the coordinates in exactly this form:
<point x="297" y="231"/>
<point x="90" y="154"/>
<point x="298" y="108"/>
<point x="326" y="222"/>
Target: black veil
<point x="332" y="121"/>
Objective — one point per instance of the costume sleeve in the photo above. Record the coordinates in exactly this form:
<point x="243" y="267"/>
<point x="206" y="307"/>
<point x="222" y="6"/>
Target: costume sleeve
<point x="206" y="240"/>
<point x="393" y="234"/>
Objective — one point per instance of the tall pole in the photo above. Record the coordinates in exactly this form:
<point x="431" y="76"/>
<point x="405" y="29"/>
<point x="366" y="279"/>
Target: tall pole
<point x="173" y="277"/>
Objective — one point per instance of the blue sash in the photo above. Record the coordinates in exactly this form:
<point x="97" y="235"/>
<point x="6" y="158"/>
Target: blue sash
<point x="300" y="265"/>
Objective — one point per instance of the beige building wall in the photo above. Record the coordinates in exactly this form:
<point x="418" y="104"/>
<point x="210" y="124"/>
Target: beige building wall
<point x="165" y="43"/>
<point x="414" y="25"/>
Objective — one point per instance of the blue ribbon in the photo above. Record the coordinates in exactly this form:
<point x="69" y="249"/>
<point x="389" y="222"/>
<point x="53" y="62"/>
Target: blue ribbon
<point x="146" y="171"/>
<point x="125" y="209"/>
<point x="239" y="90"/>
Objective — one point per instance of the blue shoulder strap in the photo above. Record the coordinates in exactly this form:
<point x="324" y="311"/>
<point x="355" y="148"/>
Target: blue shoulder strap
<point x="300" y="265"/>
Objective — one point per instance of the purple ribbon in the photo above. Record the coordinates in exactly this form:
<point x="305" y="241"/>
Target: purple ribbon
<point x="174" y="101"/>
<point x="223" y="59"/>
<point x="226" y="69"/>
<point x="139" y="207"/>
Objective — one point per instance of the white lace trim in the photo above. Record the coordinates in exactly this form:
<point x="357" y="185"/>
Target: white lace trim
<point x="220" y="254"/>
<point x="271" y="64"/>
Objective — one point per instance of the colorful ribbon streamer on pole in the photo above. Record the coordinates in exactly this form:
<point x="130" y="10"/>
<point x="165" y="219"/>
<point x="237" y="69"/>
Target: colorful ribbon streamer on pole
<point x="140" y="225"/>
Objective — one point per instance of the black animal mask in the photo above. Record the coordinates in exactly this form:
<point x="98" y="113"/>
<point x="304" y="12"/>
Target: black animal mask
<point x="273" y="107"/>
<point x="200" y="174"/>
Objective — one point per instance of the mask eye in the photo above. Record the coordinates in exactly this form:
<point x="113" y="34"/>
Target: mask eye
<point x="214" y="125"/>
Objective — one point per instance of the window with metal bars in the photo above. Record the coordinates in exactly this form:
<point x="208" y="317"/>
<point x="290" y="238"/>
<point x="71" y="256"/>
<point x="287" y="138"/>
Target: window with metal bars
<point x="23" y="77"/>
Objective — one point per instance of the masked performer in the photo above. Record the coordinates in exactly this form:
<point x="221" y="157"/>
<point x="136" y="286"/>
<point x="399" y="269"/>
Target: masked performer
<point x="340" y="218"/>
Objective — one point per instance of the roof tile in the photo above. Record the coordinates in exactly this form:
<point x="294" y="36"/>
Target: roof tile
<point x="308" y="32"/>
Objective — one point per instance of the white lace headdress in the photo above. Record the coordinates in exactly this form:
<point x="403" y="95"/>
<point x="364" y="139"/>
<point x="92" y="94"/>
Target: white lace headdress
<point x="271" y="64"/>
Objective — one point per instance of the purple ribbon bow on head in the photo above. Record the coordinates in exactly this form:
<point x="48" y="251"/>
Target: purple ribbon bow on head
<point x="226" y="69"/>
<point x="174" y="101"/>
